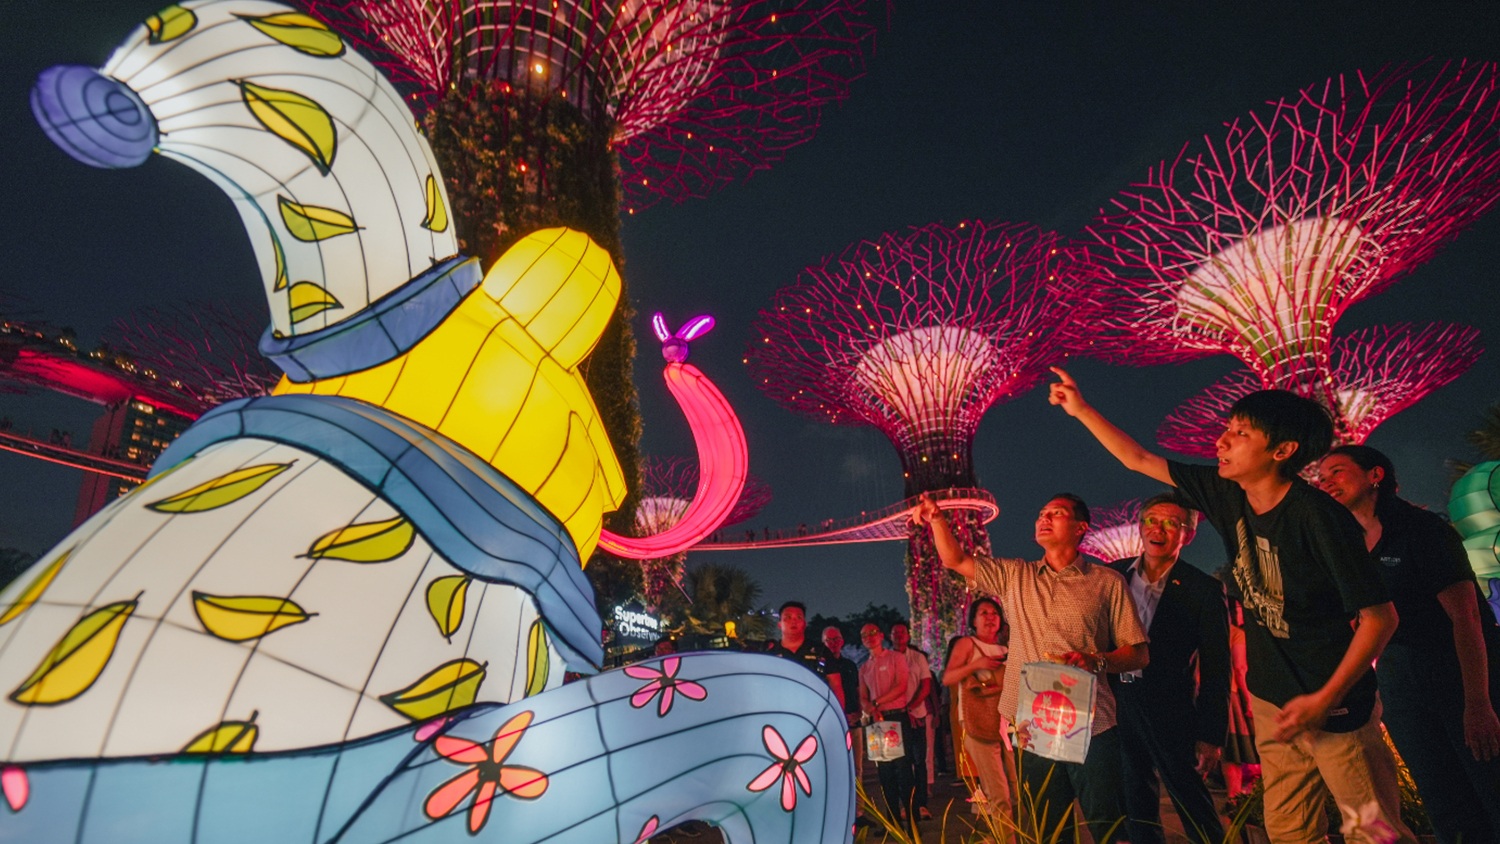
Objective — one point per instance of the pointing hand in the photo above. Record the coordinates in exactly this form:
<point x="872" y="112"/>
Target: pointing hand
<point x="1065" y="394"/>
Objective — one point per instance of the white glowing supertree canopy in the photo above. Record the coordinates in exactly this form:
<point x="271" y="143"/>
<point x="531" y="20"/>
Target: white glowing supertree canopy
<point x="1115" y="532"/>
<point x="1374" y="374"/>
<point x="1256" y="243"/>
<point x="919" y="333"/>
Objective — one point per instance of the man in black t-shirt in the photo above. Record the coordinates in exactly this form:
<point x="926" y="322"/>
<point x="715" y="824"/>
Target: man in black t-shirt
<point x="848" y="672"/>
<point x="1301" y="564"/>
<point x="795" y="645"/>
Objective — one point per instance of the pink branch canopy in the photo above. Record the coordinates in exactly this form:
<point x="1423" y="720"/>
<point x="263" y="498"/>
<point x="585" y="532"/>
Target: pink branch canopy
<point x="1376" y="373"/>
<point x="697" y="93"/>
<point x="1254" y="243"/>
<point x="668" y="486"/>
<point x="919" y="333"/>
<point x="1115" y="532"/>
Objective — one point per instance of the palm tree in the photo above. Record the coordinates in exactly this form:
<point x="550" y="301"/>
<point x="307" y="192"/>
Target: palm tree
<point x="722" y="594"/>
<point x="1485" y="439"/>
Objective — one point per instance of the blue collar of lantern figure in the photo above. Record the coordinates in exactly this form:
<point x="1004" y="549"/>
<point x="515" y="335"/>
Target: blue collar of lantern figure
<point x="389" y="327"/>
<point x="470" y="513"/>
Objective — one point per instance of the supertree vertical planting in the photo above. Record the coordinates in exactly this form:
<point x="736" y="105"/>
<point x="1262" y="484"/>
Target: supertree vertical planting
<point x="1256" y="243"/>
<point x="1115" y="532"/>
<point x="667" y="488"/>
<point x="1374" y="374"/>
<point x="539" y="110"/>
<point x="918" y="334"/>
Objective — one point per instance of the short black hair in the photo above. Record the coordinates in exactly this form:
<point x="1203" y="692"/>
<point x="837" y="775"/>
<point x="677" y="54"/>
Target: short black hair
<point x="1171" y="497"/>
<point x="1080" y="509"/>
<point x="789" y="604"/>
<point x="1368" y="458"/>
<point x="899" y="622"/>
<point x="1285" y="417"/>
<point x="974" y="609"/>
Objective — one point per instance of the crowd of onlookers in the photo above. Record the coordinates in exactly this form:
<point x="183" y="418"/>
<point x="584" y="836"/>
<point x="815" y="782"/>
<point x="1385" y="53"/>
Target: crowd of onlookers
<point x="1264" y="672"/>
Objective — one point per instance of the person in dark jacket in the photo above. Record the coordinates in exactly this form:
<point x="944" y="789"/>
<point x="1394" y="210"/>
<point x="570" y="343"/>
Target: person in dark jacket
<point x="1174" y="712"/>
<point x="1439" y="676"/>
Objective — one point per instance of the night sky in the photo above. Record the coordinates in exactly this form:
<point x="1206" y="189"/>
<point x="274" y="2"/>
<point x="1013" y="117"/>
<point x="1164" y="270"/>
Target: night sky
<point x="1028" y="112"/>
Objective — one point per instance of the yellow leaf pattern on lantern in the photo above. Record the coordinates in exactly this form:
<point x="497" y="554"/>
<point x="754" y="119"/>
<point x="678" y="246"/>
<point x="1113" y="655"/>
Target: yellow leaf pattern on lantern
<point x="35" y="588"/>
<point x="371" y="542"/>
<point x="295" y="119"/>
<point x="76" y="661"/>
<point x="303" y="33"/>
<point x="312" y="223"/>
<point x="228" y="737"/>
<point x="309" y="300"/>
<point x="445" y="601"/>
<point x="452" y="685"/>
<point x="170" y="24"/>
<point x="225" y="489"/>
<point x="538" y="658"/>
<point x="437" y="213"/>
<point x="242" y="617"/>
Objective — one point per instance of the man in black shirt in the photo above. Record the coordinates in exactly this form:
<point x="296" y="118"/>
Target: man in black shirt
<point x="795" y="645"/>
<point x="848" y="691"/>
<point x="1300" y="562"/>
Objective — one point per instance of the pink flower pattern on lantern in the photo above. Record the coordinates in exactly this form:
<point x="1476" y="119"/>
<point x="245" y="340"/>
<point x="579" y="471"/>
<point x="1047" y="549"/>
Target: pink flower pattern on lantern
<point x="664" y="681"/>
<point x="787" y="767"/>
<point x="648" y="830"/>
<point x="487" y="775"/>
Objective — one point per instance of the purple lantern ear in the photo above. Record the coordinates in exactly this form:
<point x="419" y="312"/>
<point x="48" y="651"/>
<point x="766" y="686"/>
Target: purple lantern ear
<point x="96" y="119"/>
<point x="696" y="327"/>
<point x="659" y="326"/>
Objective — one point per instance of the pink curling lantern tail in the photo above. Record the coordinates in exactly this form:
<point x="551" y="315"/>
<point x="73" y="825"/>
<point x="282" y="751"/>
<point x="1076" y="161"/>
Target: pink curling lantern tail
<point x="723" y="459"/>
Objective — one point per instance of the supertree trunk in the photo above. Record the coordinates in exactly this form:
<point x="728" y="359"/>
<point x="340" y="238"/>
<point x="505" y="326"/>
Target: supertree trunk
<point x="939" y="598"/>
<point x="517" y="162"/>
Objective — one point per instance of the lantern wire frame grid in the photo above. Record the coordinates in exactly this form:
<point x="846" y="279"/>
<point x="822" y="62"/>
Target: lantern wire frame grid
<point x="1254" y="243"/>
<point x="695" y="94"/>
<point x="918" y="334"/>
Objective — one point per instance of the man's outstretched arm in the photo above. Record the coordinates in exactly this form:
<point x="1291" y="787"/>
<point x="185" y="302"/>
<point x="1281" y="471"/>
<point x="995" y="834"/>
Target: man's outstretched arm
<point x="949" y="551"/>
<point x="1065" y="394"/>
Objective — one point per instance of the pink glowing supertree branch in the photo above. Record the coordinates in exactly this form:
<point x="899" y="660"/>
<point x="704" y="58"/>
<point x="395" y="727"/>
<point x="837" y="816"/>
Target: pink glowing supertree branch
<point x="1115" y="532"/>
<point x="722" y="457"/>
<point x="697" y="93"/>
<point x="208" y="351"/>
<point x="1256" y="243"/>
<point x="919" y="333"/>
<point x="1376" y="373"/>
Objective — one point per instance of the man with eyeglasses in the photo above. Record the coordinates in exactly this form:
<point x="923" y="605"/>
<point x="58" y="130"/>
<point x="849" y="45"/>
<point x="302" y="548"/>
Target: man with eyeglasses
<point x="1174" y="713"/>
<point x="1067" y="609"/>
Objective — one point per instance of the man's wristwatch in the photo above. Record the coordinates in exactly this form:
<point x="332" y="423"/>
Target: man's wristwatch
<point x="1100" y="660"/>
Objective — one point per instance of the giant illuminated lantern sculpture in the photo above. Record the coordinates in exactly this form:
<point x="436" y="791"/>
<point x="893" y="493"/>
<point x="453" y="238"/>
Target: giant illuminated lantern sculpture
<point x="1255" y="244"/>
<point x="1474" y="507"/>
<point x="343" y="612"/>
<point x="544" y="113"/>
<point x="918" y="334"/>
<point x="1375" y="374"/>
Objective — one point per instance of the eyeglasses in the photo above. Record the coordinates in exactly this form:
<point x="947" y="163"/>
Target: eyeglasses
<point x="1168" y="523"/>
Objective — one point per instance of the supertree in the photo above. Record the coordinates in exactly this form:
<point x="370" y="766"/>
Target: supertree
<point x="918" y="334"/>
<point x="1374" y="374"/>
<point x="538" y="110"/>
<point x="1115" y="532"/>
<point x="667" y="488"/>
<point x="1255" y="244"/>
<point x="204" y="349"/>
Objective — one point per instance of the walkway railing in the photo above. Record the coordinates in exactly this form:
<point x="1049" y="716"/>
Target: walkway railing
<point x="68" y="456"/>
<point x="884" y="525"/>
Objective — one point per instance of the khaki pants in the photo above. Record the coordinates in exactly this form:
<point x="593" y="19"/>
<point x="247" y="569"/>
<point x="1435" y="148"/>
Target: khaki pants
<point x="1357" y="768"/>
<point x="995" y="777"/>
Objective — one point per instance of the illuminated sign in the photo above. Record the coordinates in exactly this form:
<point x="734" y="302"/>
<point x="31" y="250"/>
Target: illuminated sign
<point x="635" y="624"/>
